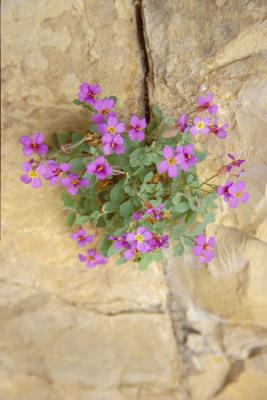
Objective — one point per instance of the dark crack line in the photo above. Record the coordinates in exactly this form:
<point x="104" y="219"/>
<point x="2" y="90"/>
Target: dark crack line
<point x="145" y="59"/>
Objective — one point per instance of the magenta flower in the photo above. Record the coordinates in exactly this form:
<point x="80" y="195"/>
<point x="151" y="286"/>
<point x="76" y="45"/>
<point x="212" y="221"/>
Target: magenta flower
<point x="54" y="171"/>
<point x="92" y="258"/>
<point x="33" y="144"/>
<point x="203" y="247"/>
<point x="137" y="126"/>
<point x="181" y="122"/>
<point x="112" y="127"/>
<point x="201" y="125"/>
<point x="170" y="164"/>
<point x="74" y="183"/>
<point x="88" y="92"/>
<point x="224" y="191"/>
<point x="104" y="110"/>
<point x="119" y="241"/>
<point x="158" y="242"/>
<point x="137" y="216"/>
<point x="234" y="163"/>
<point x="82" y="238"/>
<point x="189" y="159"/>
<point x="205" y="103"/>
<point x="112" y="144"/>
<point x="140" y="239"/>
<point x="32" y="174"/>
<point x="130" y="253"/>
<point x="100" y="168"/>
<point x="236" y="190"/>
<point x="156" y="212"/>
<point x="219" y="131"/>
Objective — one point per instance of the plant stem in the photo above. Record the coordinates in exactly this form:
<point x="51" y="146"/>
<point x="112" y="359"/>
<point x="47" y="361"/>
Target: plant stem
<point x="214" y="176"/>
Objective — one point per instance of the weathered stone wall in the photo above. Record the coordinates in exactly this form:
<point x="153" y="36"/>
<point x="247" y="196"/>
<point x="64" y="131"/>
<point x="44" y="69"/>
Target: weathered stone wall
<point x="175" y="331"/>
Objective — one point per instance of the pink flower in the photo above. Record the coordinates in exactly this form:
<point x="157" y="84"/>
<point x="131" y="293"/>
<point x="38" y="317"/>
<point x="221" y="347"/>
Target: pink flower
<point x="88" y="93"/>
<point x="201" y="125"/>
<point x="112" y="127"/>
<point x="181" y="122"/>
<point x="137" y="126"/>
<point x="188" y="159"/>
<point x="140" y="239"/>
<point x="32" y="174"/>
<point x="100" y="168"/>
<point x="224" y="191"/>
<point x="74" y="183"/>
<point x="219" y="131"/>
<point x="170" y="164"/>
<point x="205" y="103"/>
<point x="92" y="258"/>
<point x="237" y="192"/>
<point x="104" y="110"/>
<point x="82" y="238"/>
<point x="203" y="247"/>
<point x="33" y="144"/>
<point x="112" y="144"/>
<point x="54" y="171"/>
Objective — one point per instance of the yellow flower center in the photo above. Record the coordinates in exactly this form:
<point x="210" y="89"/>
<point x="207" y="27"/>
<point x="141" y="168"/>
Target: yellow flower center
<point x="200" y="125"/>
<point x="104" y="112"/>
<point x="111" y="130"/>
<point x="90" y="258"/>
<point x="139" y="238"/>
<point x="75" y="182"/>
<point x="171" y="162"/>
<point x="238" y="194"/>
<point x="206" y="246"/>
<point x="33" y="174"/>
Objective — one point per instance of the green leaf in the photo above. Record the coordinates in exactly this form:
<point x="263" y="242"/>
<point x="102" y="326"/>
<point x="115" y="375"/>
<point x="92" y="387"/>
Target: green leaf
<point x="176" y="198"/>
<point x="140" y="157"/>
<point x="67" y="199"/>
<point x="178" y="250"/>
<point x="177" y="231"/>
<point x="104" y="246"/>
<point x="81" y="103"/>
<point x="181" y="207"/>
<point x="70" y="219"/>
<point x="197" y="231"/>
<point x="77" y="164"/>
<point x="148" y="177"/>
<point x="109" y="207"/>
<point x="201" y="155"/>
<point x="81" y="219"/>
<point x="117" y="192"/>
<point x="126" y="208"/>
<point x="63" y="138"/>
<point x="156" y="111"/>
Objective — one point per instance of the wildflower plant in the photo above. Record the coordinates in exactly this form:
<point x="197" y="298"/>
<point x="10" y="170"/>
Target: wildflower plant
<point x="138" y="186"/>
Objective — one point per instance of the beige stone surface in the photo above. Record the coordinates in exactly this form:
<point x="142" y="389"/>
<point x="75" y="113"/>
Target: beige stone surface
<point x="174" y="331"/>
<point x="220" y="46"/>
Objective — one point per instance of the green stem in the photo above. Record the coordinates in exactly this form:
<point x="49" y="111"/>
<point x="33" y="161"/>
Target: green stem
<point x="214" y="176"/>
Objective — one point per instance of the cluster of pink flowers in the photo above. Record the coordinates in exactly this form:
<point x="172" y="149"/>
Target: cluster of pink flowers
<point x="182" y="158"/>
<point x="108" y="126"/>
<point x="138" y="240"/>
<point x="92" y="258"/>
<point x="204" y="125"/>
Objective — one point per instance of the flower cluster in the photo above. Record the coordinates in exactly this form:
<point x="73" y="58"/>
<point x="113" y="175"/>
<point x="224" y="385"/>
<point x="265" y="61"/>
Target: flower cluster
<point x="138" y="185"/>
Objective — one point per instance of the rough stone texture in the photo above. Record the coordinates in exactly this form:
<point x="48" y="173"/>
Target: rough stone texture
<point x="220" y="46"/>
<point x="175" y="331"/>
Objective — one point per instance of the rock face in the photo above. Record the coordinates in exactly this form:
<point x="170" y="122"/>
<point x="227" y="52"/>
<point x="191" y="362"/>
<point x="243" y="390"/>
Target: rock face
<point x="175" y="331"/>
